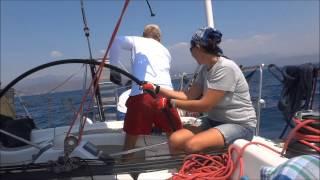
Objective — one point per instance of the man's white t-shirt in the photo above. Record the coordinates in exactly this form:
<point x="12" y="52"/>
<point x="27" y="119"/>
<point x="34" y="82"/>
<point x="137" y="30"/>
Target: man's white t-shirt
<point x="150" y="60"/>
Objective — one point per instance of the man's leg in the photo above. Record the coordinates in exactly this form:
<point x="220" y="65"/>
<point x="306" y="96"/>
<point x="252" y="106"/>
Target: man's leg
<point x="129" y="143"/>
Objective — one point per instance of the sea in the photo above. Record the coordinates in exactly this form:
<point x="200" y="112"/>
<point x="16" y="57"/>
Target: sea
<point x="59" y="108"/>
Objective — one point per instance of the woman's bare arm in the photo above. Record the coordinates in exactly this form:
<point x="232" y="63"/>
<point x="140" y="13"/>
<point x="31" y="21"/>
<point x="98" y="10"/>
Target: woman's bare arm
<point x="193" y="93"/>
<point x="207" y="101"/>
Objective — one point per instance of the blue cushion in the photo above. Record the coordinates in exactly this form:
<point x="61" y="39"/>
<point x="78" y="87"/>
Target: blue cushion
<point x="303" y="167"/>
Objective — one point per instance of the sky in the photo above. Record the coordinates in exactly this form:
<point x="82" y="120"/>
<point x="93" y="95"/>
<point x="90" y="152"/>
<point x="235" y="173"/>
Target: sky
<point x="35" y="32"/>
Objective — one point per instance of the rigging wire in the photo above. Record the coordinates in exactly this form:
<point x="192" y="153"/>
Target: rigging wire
<point x="24" y="106"/>
<point x="94" y="83"/>
<point x="61" y="84"/>
<point x="92" y="67"/>
<point x="150" y="9"/>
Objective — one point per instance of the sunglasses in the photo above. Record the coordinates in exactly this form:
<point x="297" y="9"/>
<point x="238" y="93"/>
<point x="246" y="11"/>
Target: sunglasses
<point x="192" y="45"/>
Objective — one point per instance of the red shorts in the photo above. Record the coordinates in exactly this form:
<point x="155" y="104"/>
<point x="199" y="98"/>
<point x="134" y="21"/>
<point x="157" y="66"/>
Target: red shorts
<point x="141" y="116"/>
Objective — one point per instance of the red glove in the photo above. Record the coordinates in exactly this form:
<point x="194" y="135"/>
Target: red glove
<point x="148" y="86"/>
<point x="161" y="103"/>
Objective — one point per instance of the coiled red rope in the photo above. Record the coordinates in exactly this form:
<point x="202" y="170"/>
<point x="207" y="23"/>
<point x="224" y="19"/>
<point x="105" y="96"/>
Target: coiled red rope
<point x="204" y="166"/>
<point x="198" y="166"/>
<point x="218" y="167"/>
<point x="306" y="139"/>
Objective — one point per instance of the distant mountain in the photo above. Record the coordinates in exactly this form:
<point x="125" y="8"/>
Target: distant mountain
<point x="45" y="84"/>
<point x="181" y="62"/>
<point x="280" y="61"/>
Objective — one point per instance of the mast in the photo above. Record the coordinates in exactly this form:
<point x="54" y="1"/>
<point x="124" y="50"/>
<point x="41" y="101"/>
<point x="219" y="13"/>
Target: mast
<point x="209" y="14"/>
<point x="210" y="23"/>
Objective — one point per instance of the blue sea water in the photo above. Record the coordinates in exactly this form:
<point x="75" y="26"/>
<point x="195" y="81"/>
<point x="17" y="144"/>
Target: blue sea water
<point x="58" y="109"/>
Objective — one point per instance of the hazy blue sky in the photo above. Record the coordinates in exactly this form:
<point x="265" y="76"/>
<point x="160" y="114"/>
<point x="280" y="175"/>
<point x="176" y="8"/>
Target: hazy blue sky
<point x="34" y="32"/>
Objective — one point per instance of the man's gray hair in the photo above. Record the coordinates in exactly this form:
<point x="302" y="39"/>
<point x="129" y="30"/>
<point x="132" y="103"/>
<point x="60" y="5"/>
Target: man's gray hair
<point x="152" y="31"/>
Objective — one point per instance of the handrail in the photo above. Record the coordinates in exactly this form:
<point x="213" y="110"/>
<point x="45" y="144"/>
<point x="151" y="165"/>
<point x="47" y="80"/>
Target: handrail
<point x="260" y="100"/>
